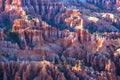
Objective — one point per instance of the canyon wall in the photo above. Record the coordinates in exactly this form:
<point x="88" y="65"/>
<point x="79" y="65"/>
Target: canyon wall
<point x="97" y="53"/>
<point x="45" y="70"/>
<point x="106" y="4"/>
<point x="60" y="14"/>
<point x="48" y="39"/>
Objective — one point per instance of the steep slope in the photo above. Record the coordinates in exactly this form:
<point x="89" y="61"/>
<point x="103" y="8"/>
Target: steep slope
<point x="62" y="14"/>
<point x="52" y="40"/>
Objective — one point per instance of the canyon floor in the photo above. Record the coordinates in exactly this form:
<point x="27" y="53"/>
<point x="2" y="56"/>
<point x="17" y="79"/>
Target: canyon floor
<point x="59" y="40"/>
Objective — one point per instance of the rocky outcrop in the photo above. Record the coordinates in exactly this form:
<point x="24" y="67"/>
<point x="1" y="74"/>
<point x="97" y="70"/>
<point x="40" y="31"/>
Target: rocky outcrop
<point x="107" y="4"/>
<point x="48" y="40"/>
<point x="45" y="42"/>
<point x="58" y="14"/>
<point x="45" y="70"/>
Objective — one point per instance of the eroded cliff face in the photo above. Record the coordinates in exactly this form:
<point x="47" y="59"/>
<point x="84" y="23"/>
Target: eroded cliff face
<point x="97" y="54"/>
<point x="48" y="40"/>
<point x="63" y="14"/>
<point x="45" y="70"/>
<point x="106" y="4"/>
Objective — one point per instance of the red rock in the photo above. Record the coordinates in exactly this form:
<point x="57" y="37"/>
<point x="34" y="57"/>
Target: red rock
<point x="104" y="4"/>
<point x="41" y="41"/>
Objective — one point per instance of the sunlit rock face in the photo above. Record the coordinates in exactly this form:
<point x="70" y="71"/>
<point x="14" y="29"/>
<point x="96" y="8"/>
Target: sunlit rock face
<point x="63" y="48"/>
<point x="59" y="40"/>
<point x="50" y="10"/>
<point x="63" y="14"/>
